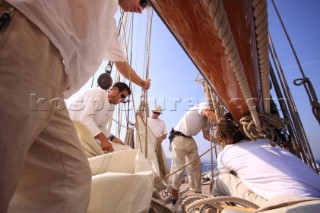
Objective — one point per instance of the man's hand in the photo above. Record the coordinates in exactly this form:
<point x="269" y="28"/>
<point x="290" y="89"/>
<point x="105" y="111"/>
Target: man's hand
<point x="210" y="115"/>
<point x="106" y="146"/>
<point x="163" y="137"/>
<point x="145" y="84"/>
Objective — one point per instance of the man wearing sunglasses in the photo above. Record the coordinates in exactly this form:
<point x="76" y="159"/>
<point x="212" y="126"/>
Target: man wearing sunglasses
<point x="158" y="131"/>
<point x="95" y="110"/>
<point x="49" y="50"/>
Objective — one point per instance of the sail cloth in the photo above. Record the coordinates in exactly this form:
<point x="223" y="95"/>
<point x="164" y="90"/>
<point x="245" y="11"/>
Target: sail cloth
<point x="117" y="178"/>
<point x="121" y="182"/>
<point x="161" y="157"/>
<point x="129" y="139"/>
<point x="143" y="142"/>
<point x="90" y="145"/>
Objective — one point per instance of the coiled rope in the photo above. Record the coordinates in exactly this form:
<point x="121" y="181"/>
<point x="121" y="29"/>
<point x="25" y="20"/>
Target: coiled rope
<point x="269" y="124"/>
<point x="218" y="203"/>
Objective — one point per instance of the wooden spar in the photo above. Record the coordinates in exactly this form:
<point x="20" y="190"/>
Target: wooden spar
<point x="191" y="25"/>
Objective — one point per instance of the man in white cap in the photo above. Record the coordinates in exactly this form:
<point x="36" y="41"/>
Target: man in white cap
<point x="157" y="126"/>
<point x="184" y="147"/>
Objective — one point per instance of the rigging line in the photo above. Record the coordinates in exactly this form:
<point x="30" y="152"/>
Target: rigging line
<point x="212" y="139"/>
<point x="285" y="112"/>
<point x="110" y="63"/>
<point x="122" y="34"/>
<point x="309" y="159"/>
<point x="131" y="43"/>
<point x="296" y="126"/>
<point x="289" y="40"/>
<point x="300" y="152"/>
<point x="305" y="80"/>
<point x="286" y="89"/>
<point x="128" y="38"/>
<point x="148" y="42"/>
<point x="187" y="164"/>
<point x="146" y="63"/>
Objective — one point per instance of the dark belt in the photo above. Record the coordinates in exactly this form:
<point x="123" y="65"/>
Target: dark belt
<point x="181" y="134"/>
<point x="174" y="133"/>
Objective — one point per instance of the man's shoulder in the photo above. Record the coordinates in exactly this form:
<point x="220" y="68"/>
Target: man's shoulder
<point x="97" y="89"/>
<point x="155" y="121"/>
<point x="161" y="121"/>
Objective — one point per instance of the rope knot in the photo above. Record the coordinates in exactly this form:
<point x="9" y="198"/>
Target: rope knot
<point x="269" y="124"/>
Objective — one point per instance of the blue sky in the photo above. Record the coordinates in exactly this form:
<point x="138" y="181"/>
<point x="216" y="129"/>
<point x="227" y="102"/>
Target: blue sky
<point x="173" y="75"/>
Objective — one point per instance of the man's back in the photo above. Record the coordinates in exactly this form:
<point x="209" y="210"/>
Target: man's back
<point x="269" y="171"/>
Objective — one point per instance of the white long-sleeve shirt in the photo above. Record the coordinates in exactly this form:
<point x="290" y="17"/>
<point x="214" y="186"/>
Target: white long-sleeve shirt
<point x="94" y="110"/>
<point x="84" y="31"/>
<point x="269" y="171"/>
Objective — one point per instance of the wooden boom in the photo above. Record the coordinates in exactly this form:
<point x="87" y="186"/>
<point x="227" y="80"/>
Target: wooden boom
<point x="191" y="25"/>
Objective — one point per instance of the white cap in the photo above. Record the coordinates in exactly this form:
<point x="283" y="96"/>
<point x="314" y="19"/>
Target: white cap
<point x="157" y="109"/>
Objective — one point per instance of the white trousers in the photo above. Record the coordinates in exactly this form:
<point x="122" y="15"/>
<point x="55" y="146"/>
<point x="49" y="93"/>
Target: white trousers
<point x="185" y="150"/>
<point x="42" y="165"/>
<point x="227" y="184"/>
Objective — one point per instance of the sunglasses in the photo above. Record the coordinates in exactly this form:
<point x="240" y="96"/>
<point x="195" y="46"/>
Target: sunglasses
<point x="123" y="98"/>
<point x="143" y="3"/>
<point x="157" y="113"/>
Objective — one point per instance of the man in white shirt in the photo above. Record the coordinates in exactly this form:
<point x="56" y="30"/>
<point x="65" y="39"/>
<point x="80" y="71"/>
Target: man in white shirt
<point x="257" y="171"/>
<point x="48" y="50"/>
<point x="184" y="147"/>
<point x="95" y="108"/>
<point x="157" y="126"/>
<point x="158" y="131"/>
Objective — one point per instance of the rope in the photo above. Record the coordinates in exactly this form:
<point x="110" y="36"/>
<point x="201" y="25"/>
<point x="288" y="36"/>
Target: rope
<point x="188" y="199"/>
<point x="311" y="94"/>
<point x="305" y="81"/>
<point x="214" y="104"/>
<point x="220" y="21"/>
<point x="185" y="165"/>
<point x="269" y="124"/>
<point x="305" y="149"/>
<point x="217" y="202"/>
<point x="261" y="23"/>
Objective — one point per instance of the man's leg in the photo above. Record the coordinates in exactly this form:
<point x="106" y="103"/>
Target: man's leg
<point x="32" y="81"/>
<point x="194" y="168"/>
<point x="227" y="184"/>
<point x="56" y="174"/>
<point x="177" y="161"/>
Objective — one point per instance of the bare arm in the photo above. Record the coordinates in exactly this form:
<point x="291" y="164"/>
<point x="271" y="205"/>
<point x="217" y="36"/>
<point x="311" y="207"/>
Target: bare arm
<point x="105" y="144"/>
<point x="206" y="134"/>
<point x="126" y="70"/>
<point x="164" y="137"/>
<point x="210" y="115"/>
